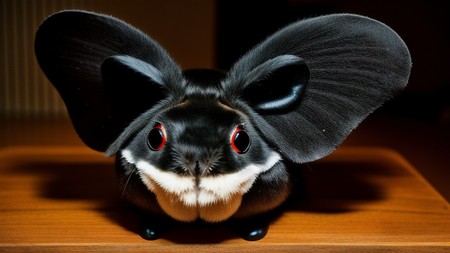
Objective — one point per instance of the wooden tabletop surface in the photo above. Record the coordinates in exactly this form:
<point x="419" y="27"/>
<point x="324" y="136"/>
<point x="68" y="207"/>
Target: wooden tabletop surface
<point x="65" y="199"/>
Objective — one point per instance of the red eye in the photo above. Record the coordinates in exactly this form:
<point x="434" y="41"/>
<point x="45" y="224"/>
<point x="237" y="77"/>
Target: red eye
<point x="157" y="137"/>
<point x="240" y="141"/>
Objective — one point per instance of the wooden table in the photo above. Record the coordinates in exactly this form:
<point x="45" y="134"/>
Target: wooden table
<point x="63" y="199"/>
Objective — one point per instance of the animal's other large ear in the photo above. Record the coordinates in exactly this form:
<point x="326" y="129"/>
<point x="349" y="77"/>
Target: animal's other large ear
<point x="106" y="71"/>
<point x="335" y="70"/>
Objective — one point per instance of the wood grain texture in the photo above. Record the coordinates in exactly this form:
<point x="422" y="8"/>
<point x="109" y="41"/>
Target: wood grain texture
<point x="63" y="199"/>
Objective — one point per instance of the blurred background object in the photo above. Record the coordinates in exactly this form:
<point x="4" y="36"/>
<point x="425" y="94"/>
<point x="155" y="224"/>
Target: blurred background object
<point x="215" y="33"/>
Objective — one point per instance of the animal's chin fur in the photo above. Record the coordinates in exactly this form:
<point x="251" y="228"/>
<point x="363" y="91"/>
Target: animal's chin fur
<point x="212" y="198"/>
<point x="178" y="209"/>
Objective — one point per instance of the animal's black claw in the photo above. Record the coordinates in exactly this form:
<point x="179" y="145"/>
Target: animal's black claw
<point x="150" y="233"/>
<point x="254" y="233"/>
<point x="251" y="230"/>
<point x="152" y="229"/>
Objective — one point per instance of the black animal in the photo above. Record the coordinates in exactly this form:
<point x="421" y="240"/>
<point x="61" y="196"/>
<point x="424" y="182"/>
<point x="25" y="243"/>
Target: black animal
<point x="207" y="145"/>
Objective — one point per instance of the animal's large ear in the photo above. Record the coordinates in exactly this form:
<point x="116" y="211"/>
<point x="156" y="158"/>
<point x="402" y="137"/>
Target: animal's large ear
<point x="106" y="71"/>
<point x="308" y="85"/>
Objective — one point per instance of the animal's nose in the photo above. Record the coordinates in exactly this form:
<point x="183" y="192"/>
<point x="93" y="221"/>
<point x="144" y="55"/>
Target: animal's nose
<point x="197" y="170"/>
<point x="194" y="167"/>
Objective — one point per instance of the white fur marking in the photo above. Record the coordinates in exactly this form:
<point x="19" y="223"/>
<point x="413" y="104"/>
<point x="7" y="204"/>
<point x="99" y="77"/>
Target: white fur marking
<point x="168" y="181"/>
<point x="206" y="197"/>
<point x="147" y="182"/>
<point x="210" y="189"/>
<point x="128" y="156"/>
<point x="224" y="186"/>
<point x="189" y="198"/>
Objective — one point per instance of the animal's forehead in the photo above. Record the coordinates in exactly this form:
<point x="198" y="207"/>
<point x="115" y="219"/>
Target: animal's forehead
<point x="204" y="112"/>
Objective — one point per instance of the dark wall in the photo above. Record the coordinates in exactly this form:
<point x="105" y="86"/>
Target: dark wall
<point x="422" y="24"/>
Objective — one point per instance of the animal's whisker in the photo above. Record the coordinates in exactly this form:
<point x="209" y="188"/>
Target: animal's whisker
<point x="127" y="182"/>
